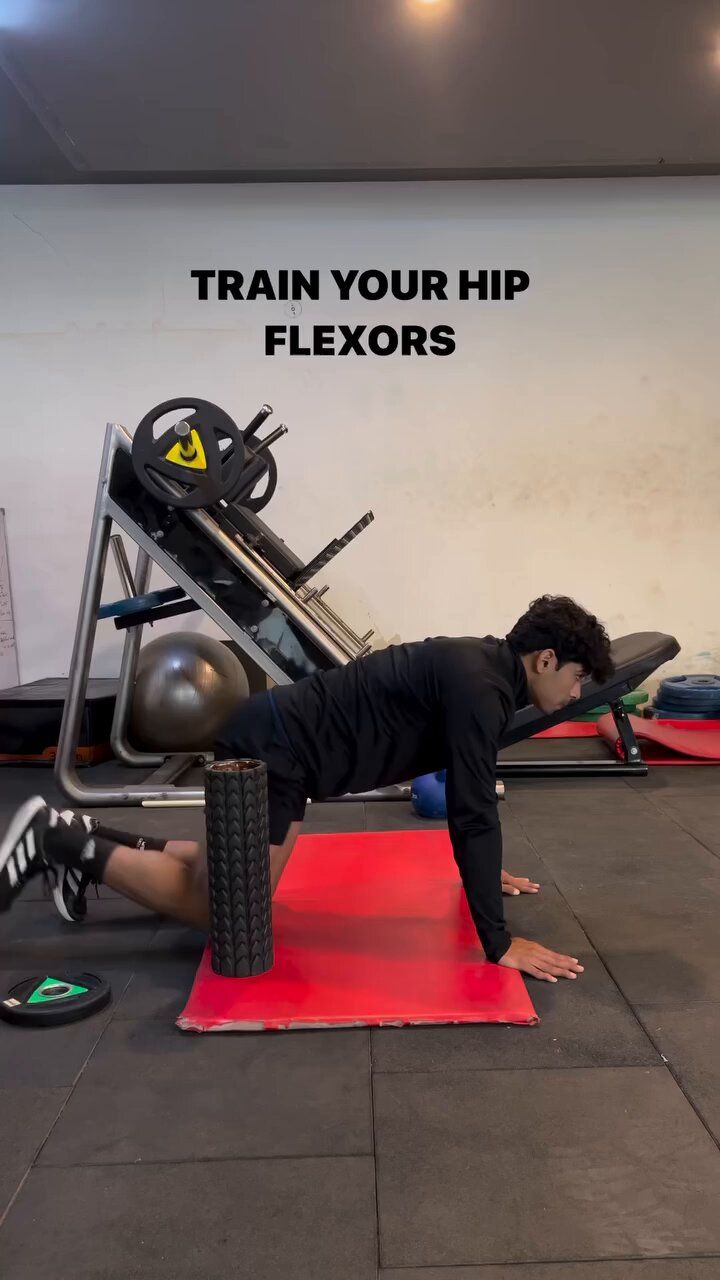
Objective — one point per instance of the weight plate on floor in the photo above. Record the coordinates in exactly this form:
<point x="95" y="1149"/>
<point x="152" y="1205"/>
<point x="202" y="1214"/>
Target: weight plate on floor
<point x="691" y="687"/>
<point x="50" y="1001"/>
<point x="661" y="712"/>
<point x="190" y="452"/>
<point x="688" y="704"/>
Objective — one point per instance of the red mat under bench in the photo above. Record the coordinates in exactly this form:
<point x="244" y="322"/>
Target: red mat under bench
<point x="370" y="929"/>
<point x="670" y="741"/>
<point x="662" y="742"/>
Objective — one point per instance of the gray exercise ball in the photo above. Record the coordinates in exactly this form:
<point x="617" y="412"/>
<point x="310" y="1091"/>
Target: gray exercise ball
<point x="186" y="686"/>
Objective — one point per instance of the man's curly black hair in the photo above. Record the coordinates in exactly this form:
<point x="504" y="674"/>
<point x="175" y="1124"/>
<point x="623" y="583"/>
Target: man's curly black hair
<point x="560" y="624"/>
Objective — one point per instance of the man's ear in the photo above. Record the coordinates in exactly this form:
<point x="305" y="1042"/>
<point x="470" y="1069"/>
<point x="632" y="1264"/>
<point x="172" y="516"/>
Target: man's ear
<point x="546" y="660"/>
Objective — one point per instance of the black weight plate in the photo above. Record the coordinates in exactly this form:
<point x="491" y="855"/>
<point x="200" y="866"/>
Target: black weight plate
<point x="672" y="713"/>
<point x="201" y="487"/>
<point x="708" y="689"/>
<point x="691" y="686"/>
<point x="689" y="704"/>
<point x="51" y="1001"/>
<point x="697" y="703"/>
<point x="258" y="504"/>
<point x="260" y="467"/>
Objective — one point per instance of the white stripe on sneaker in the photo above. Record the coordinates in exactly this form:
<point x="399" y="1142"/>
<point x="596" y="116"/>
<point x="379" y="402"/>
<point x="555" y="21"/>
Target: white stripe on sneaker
<point x="12" y="873"/>
<point x="30" y="845"/>
<point x="66" y="895"/>
<point x="19" y="824"/>
<point x="20" y="857"/>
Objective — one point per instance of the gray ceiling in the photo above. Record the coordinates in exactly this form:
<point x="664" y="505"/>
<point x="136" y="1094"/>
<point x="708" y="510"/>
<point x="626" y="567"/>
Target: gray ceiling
<point x="232" y="90"/>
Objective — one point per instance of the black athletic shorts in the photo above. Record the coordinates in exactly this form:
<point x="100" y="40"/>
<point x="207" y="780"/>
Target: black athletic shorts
<point x="255" y="731"/>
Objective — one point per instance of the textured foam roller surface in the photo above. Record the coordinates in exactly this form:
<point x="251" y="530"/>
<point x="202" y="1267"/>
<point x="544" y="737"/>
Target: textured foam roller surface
<point x="241" y="941"/>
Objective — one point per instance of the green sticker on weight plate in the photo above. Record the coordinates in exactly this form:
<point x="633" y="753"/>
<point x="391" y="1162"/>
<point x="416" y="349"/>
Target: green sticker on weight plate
<point x="50" y="1001"/>
<point x="55" y="989"/>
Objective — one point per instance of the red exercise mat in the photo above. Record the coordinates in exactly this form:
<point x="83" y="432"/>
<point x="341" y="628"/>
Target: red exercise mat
<point x="370" y="929"/>
<point x="670" y="741"/>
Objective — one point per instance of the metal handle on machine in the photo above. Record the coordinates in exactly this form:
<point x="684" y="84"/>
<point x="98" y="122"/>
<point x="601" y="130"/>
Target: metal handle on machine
<point x="261" y="445"/>
<point x="329" y="552"/>
<point x="256" y="468"/>
<point x="253" y="427"/>
<point x="312" y="599"/>
<point x="123" y="565"/>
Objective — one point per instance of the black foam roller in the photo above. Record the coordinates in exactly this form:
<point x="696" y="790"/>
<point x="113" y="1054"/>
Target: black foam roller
<point x="236" y="815"/>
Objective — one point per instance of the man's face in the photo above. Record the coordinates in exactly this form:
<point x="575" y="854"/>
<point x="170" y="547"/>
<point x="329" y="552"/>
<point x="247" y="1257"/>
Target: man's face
<point x="553" y="687"/>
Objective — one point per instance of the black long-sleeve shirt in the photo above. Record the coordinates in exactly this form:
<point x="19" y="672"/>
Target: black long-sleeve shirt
<point x="412" y="709"/>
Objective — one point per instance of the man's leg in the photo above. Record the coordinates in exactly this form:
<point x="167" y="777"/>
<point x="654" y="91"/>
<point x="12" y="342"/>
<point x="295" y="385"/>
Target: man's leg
<point x="184" y="850"/>
<point x="174" y="882"/>
<point x="172" y="885"/>
<point x="70" y="887"/>
<point x="280" y="854"/>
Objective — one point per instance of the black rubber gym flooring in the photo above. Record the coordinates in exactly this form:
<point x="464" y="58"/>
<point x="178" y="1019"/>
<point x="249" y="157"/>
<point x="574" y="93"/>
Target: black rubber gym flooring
<point x="582" y="1149"/>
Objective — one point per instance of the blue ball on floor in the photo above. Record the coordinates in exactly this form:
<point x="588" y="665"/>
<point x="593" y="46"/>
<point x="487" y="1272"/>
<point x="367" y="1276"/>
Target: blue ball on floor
<point x="428" y="795"/>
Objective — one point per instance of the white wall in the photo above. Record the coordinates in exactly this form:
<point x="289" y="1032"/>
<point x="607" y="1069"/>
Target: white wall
<point x="570" y="444"/>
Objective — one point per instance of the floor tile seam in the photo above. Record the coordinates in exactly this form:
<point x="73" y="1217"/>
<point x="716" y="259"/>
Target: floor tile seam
<point x="671" y="817"/>
<point x="287" y="1158"/>
<point x="554" y="1262"/>
<point x="376" y="1189"/>
<point x="70" y="1091"/>
<point x="473" y="1071"/>
<point x="672" y="1071"/>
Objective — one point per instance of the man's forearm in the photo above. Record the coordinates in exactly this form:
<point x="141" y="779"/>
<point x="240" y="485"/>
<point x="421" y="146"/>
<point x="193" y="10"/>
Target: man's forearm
<point x="478" y="855"/>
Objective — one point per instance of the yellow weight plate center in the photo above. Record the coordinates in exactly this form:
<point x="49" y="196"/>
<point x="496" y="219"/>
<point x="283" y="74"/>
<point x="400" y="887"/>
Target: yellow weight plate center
<point x="188" y="453"/>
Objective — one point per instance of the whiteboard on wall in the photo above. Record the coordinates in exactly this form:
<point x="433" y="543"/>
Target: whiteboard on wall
<point x="9" y="674"/>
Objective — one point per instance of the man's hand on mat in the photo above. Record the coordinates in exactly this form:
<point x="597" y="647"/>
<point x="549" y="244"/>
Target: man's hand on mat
<point x="538" y="961"/>
<point x="518" y="884"/>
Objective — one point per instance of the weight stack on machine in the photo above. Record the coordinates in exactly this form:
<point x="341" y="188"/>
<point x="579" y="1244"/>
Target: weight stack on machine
<point x="236" y="813"/>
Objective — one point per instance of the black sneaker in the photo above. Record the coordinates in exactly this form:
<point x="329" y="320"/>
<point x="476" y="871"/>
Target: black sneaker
<point x="21" y="849"/>
<point x="70" y="887"/>
<point x="69" y="893"/>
